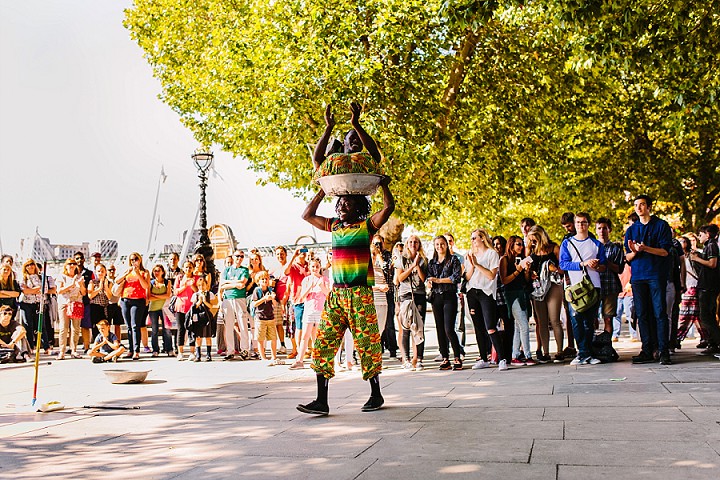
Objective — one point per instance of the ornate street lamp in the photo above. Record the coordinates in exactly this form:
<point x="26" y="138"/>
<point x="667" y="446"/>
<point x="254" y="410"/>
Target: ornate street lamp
<point x="203" y="159"/>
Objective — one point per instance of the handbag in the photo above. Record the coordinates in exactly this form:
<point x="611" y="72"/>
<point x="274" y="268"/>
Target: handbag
<point x="583" y="295"/>
<point x="75" y="310"/>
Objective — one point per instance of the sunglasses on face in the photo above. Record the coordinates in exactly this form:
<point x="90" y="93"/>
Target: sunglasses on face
<point x="5" y="313"/>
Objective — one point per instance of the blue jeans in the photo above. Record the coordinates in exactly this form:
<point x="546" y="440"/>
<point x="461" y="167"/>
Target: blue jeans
<point x="299" y="311"/>
<point x="518" y="309"/>
<point x="583" y="325"/>
<point x="626" y="305"/>
<point x="157" y="320"/>
<point x="133" y="310"/>
<point x="650" y="307"/>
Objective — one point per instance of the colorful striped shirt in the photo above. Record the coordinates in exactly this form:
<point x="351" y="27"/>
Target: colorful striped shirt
<point x="351" y="264"/>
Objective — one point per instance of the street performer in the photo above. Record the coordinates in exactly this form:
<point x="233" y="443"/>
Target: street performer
<point x="350" y="302"/>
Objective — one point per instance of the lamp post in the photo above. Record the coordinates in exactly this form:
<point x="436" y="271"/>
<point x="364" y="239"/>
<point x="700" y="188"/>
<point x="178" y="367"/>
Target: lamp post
<point x="203" y="159"/>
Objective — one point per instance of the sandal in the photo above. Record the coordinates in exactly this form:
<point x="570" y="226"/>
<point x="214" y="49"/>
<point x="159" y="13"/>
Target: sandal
<point x="457" y="365"/>
<point x="445" y="365"/>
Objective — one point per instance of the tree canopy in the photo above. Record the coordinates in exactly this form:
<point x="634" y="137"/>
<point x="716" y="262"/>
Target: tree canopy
<point x="485" y="111"/>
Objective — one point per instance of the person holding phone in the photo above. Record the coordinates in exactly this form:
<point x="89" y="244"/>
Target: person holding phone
<point x="515" y="276"/>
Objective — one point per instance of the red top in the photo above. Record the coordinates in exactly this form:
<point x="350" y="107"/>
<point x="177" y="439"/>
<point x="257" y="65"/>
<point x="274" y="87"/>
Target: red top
<point x="133" y="288"/>
<point x="297" y="274"/>
<point x="184" y="295"/>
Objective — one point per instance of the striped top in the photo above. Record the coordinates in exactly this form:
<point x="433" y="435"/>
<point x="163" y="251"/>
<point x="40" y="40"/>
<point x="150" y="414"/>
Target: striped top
<point x="351" y="263"/>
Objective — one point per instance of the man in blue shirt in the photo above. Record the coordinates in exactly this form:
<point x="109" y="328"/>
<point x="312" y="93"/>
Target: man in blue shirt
<point x="647" y="244"/>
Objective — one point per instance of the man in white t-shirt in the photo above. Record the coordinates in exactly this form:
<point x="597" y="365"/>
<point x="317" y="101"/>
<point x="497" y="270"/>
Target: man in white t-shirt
<point x="580" y="254"/>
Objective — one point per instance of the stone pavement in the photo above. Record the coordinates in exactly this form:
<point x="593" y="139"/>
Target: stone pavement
<point x="238" y="419"/>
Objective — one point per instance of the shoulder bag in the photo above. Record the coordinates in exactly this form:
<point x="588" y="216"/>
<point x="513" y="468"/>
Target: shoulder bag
<point x="582" y="296"/>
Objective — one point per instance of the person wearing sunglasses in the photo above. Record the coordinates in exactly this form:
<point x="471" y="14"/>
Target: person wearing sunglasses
<point x="12" y="337"/>
<point x="133" y="303"/>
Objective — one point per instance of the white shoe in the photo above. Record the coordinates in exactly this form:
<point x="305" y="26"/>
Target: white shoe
<point x="407" y="366"/>
<point x="439" y="358"/>
<point x="576" y="361"/>
<point x="180" y="357"/>
<point x="419" y="367"/>
<point x="591" y="361"/>
<point x="502" y="365"/>
<point x="480" y="364"/>
<point x="191" y="357"/>
<point x="282" y="351"/>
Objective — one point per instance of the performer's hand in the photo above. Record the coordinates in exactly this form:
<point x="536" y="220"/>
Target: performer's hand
<point x="355" y="110"/>
<point x="329" y="117"/>
<point x="385" y="181"/>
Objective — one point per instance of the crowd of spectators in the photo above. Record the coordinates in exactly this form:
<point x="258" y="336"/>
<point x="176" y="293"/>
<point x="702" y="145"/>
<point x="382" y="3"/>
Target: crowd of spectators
<point x="663" y="287"/>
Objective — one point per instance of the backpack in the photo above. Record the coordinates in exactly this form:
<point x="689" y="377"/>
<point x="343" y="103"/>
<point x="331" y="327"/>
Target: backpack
<point x="541" y="285"/>
<point x="602" y="349"/>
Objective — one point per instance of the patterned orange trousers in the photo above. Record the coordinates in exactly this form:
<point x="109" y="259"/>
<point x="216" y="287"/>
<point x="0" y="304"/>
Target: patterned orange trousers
<point x="351" y="308"/>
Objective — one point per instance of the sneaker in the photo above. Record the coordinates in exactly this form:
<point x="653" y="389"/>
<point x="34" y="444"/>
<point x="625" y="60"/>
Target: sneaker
<point x="191" y="357"/>
<point x="171" y="354"/>
<point x="146" y="350"/>
<point x="591" y="361"/>
<point x="197" y="358"/>
<point x="227" y="358"/>
<point x="702" y="344"/>
<point x="530" y="362"/>
<point x="292" y="355"/>
<point x="419" y="367"/>
<point x="502" y="365"/>
<point x="517" y="363"/>
<point x="717" y="355"/>
<point x="155" y="354"/>
<point x="445" y="365"/>
<point x="665" y="359"/>
<point x="279" y="361"/>
<point x="373" y="403"/>
<point x="643" y="358"/>
<point x="576" y="361"/>
<point x="457" y="364"/>
<point x="480" y="364"/>
<point x="314" y="408"/>
<point x="558" y="358"/>
<point x="407" y="366"/>
<point x="282" y="350"/>
<point x="439" y="358"/>
<point x="180" y="357"/>
<point x="254" y="356"/>
<point x="710" y="351"/>
<point x="297" y="366"/>
<point x="543" y="358"/>
<point x="208" y="358"/>
<point x="97" y="360"/>
<point x="244" y="355"/>
<point x="615" y="339"/>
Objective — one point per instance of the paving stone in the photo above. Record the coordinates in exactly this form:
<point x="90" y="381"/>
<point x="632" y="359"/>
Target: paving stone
<point x="635" y="454"/>
<point x="702" y="414"/>
<point x="423" y="468"/>
<point x="708" y="399"/>
<point x="616" y="415"/>
<point x="322" y="468"/>
<point x="595" y="430"/>
<point x="698" y="375"/>
<point x="491" y="427"/>
<point x="475" y="414"/>
<point x="610" y="388"/>
<point x="689" y="472"/>
<point x="692" y="387"/>
<point x="506" y="401"/>
<point x="632" y="399"/>
<point x="464" y="446"/>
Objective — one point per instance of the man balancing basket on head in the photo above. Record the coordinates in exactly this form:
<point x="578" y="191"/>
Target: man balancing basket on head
<point x="350" y="175"/>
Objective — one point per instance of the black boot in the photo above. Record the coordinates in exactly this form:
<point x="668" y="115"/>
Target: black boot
<point x="319" y="406"/>
<point x="376" y="400"/>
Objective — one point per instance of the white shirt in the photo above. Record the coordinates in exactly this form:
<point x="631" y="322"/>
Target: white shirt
<point x="490" y="260"/>
<point x="588" y="251"/>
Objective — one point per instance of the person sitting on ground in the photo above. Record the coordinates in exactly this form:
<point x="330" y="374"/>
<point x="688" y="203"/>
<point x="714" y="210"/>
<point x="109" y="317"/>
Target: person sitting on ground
<point x="107" y="347"/>
<point x="12" y="336"/>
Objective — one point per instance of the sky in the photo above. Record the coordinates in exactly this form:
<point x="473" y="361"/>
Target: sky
<point x="83" y="138"/>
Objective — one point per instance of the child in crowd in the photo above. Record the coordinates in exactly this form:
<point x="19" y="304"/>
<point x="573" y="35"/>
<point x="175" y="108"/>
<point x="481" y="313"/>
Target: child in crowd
<point x="203" y="319"/>
<point x="107" y="346"/>
<point x="313" y="292"/>
<point x="263" y="299"/>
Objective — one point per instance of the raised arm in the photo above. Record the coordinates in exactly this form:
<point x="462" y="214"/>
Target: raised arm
<point x="310" y="213"/>
<point x="321" y="146"/>
<point x="379" y="218"/>
<point x="367" y="140"/>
